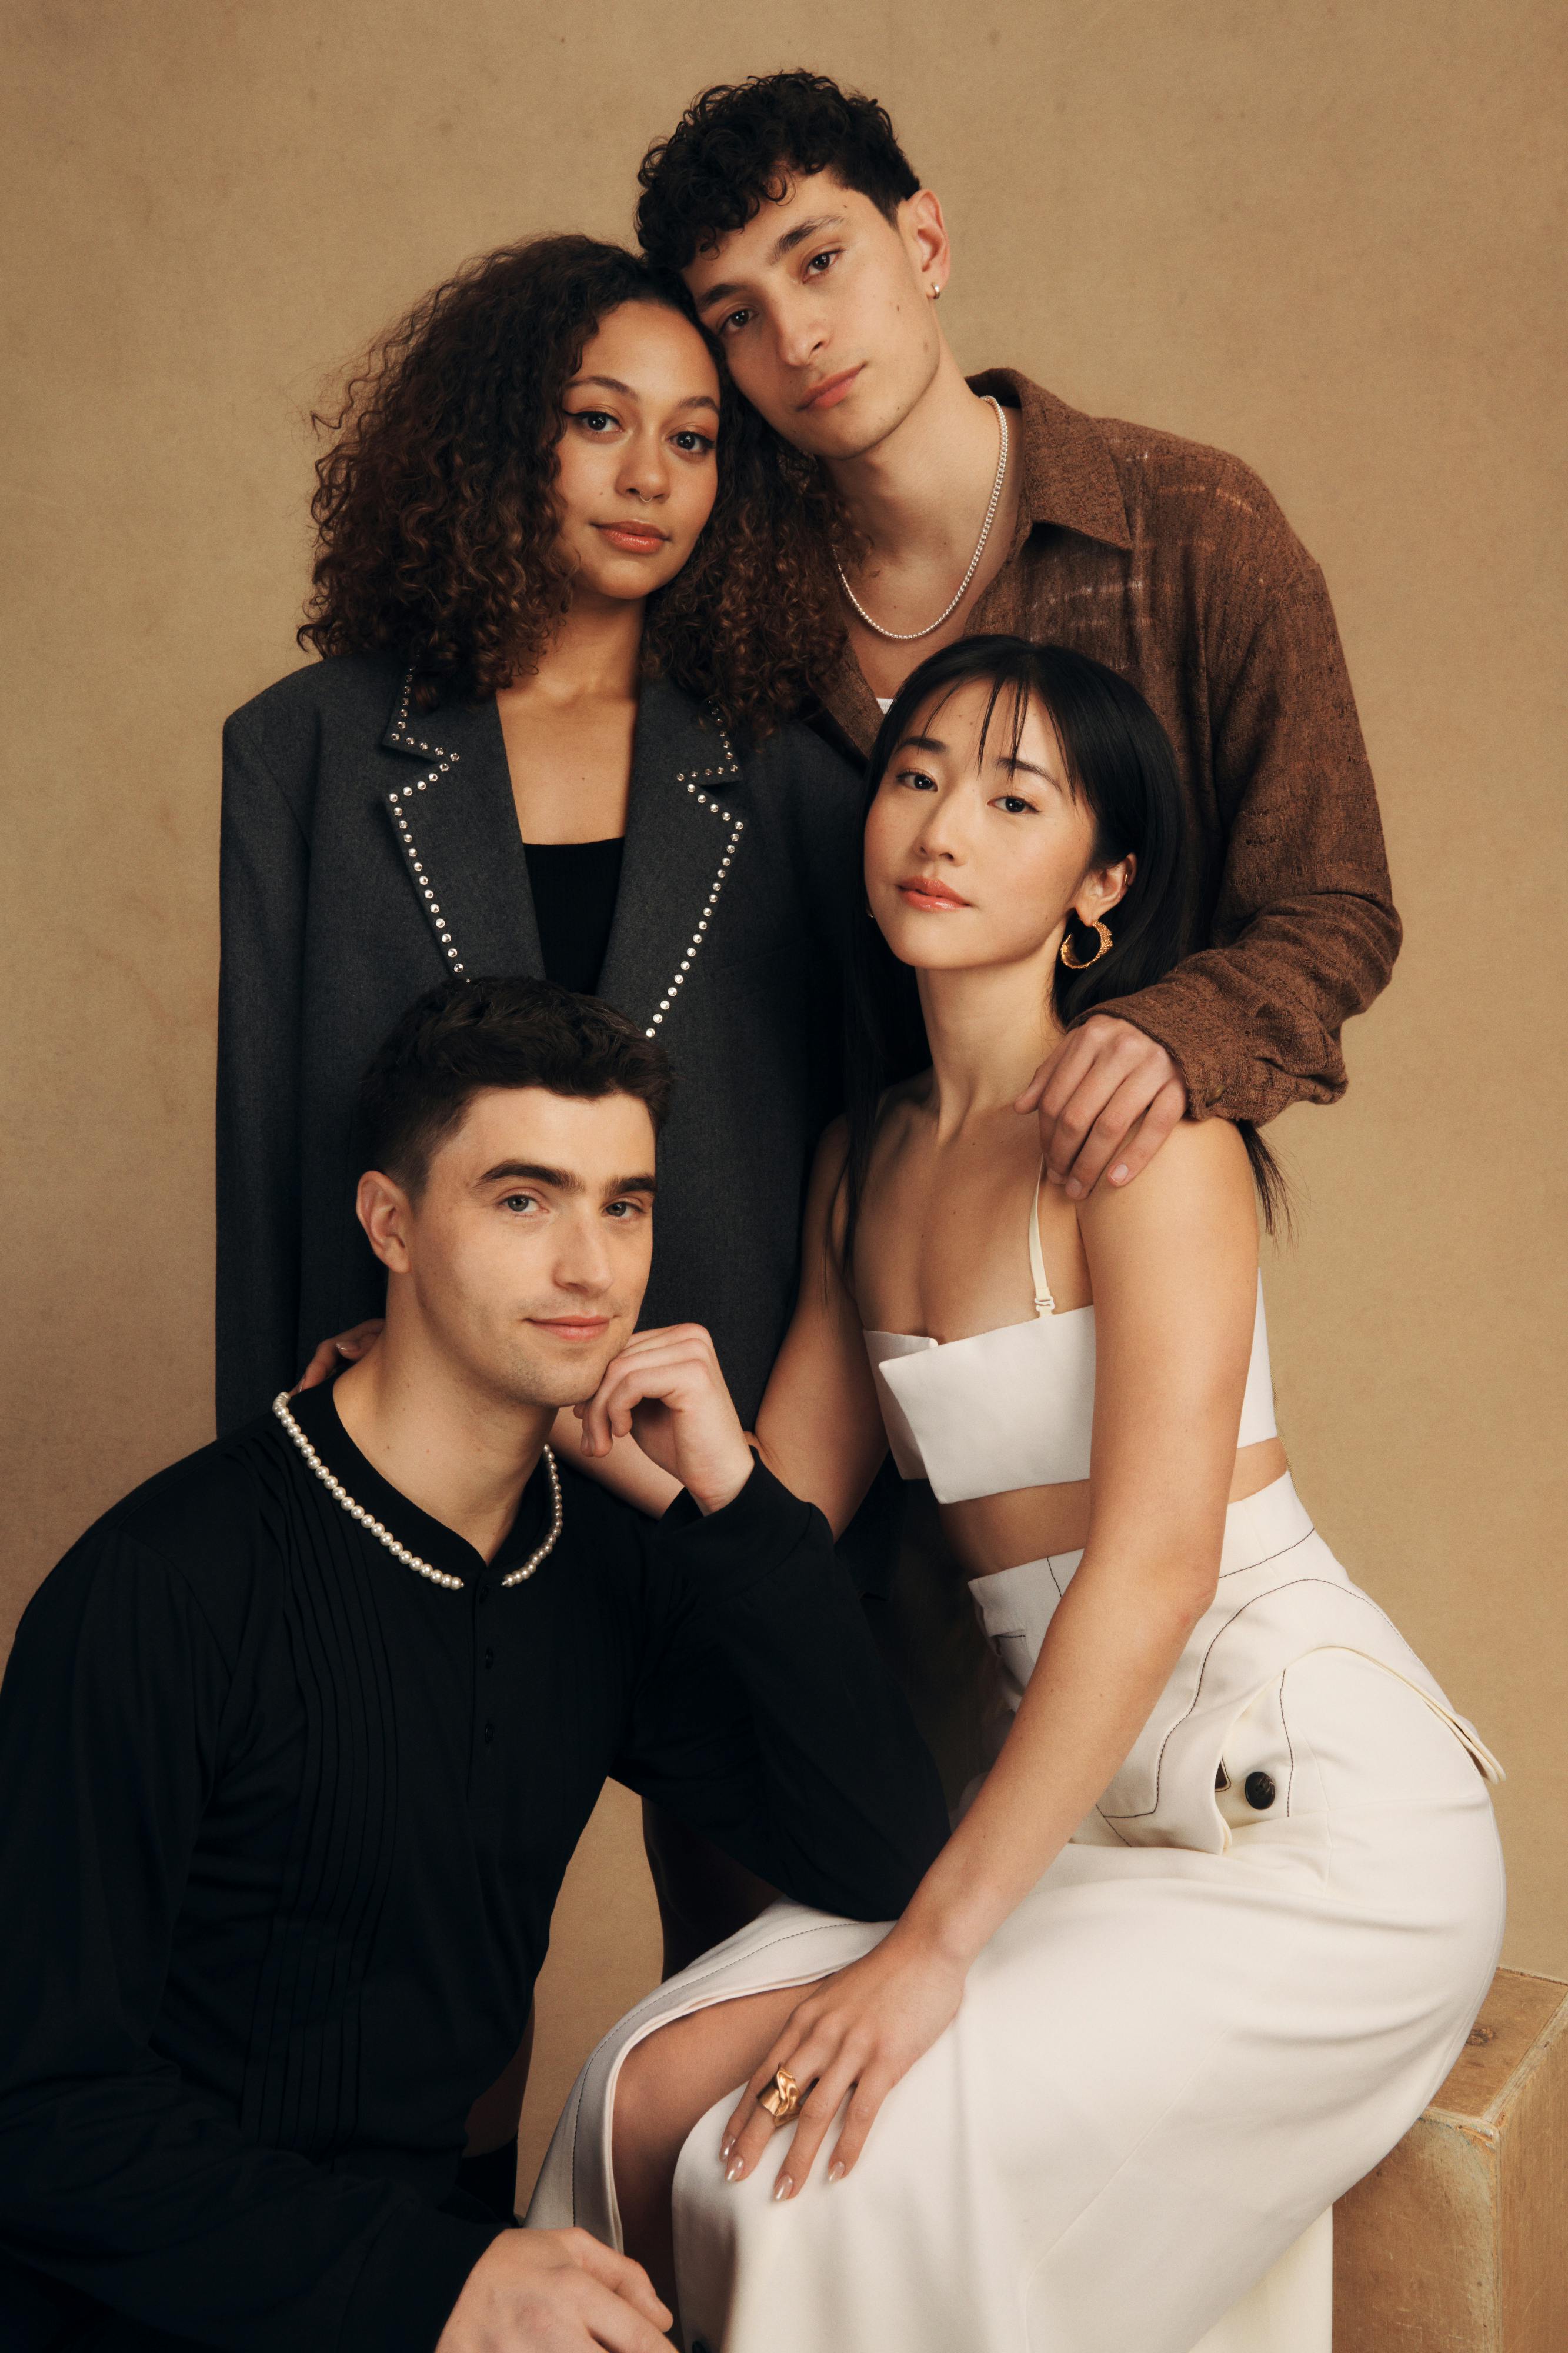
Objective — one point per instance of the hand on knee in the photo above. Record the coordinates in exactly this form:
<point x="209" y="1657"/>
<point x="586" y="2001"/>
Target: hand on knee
<point x="559" y="2291"/>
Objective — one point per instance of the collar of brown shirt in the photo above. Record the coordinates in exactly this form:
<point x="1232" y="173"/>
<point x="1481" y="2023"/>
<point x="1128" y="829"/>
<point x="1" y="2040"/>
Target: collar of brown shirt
<point x="1171" y="563"/>
<point x="1070" y="479"/>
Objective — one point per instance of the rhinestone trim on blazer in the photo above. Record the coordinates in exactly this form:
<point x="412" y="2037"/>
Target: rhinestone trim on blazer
<point x="382" y="1535"/>
<point x="729" y="766"/>
<point x="693" y="779"/>
<point x="399" y="734"/>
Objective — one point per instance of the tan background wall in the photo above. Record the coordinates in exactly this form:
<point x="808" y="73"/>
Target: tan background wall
<point x="1327" y="237"/>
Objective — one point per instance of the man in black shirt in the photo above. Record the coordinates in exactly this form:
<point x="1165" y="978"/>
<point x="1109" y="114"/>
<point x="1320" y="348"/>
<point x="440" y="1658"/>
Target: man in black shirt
<point x="298" y="1741"/>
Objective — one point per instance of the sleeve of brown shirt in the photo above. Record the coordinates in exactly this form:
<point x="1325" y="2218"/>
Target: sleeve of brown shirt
<point x="1303" y="929"/>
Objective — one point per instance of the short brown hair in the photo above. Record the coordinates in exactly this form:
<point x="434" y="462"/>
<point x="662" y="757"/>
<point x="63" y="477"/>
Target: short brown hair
<point x="464" y="1036"/>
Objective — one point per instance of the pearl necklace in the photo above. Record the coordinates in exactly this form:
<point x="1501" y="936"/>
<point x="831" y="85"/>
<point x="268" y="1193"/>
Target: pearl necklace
<point x="373" y="1527"/>
<point x="908" y="636"/>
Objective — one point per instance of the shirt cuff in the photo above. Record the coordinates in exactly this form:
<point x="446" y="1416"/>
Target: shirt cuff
<point x="754" y="1531"/>
<point x="411" y="2280"/>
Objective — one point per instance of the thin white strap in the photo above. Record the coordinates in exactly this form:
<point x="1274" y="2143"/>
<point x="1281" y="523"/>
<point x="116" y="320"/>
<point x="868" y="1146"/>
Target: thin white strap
<point x="1044" y="1303"/>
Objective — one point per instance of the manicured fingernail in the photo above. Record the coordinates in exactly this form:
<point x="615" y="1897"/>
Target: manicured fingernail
<point x="733" y="2172"/>
<point x="1118" y="1174"/>
<point x="725" y="2146"/>
<point x="781" y="2188"/>
<point x="1074" y="1188"/>
<point x="837" y="2171"/>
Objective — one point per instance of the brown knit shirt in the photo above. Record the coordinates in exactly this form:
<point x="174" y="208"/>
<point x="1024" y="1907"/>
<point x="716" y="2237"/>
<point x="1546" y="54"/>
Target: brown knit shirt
<point x="1171" y="563"/>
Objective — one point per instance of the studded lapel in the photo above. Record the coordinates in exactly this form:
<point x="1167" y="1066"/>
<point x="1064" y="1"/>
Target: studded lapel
<point x="455" y="821"/>
<point x="685" y="829"/>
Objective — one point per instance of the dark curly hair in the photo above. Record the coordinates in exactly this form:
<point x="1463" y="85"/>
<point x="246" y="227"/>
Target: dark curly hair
<point x="738" y="144"/>
<point x="437" y="522"/>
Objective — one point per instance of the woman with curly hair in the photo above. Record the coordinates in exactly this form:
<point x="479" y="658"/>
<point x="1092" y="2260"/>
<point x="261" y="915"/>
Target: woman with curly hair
<point x="568" y="594"/>
<point x="568" y="600"/>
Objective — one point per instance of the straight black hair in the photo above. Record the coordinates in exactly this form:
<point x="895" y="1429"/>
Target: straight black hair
<point x="1121" y="765"/>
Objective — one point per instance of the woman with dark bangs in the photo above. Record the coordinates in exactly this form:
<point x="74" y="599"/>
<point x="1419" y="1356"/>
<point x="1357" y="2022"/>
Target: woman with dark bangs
<point x="566" y="610"/>
<point x="1212" y="1927"/>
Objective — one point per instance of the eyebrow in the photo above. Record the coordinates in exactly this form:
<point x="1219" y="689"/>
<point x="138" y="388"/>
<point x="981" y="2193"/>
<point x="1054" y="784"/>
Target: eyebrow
<point x="1004" y="759"/>
<point x="613" y="384"/>
<point x="780" y="245"/>
<point x="563" y="1180"/>
<point x="533" y="1171"/>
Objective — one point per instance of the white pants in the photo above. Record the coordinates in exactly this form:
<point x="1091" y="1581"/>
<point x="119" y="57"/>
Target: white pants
<point x="1167" y="2064"/>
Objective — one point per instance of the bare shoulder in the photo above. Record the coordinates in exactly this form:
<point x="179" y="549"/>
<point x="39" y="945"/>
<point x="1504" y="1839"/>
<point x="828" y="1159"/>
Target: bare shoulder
<point x="1205" y="1152"/>
<point x="825" y="1189"/>
<point x="832" y="1152"/>
<point x="824" y="1198"/>
<point x="898" y="1109"/>
<point x="828" y="1194"/>
<point x="900" y="1112"/>
<point x="1200" y="1180"/>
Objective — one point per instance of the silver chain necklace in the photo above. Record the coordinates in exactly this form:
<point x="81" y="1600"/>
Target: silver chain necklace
<point x="373" y="1527"/>
<point x="908" y="636"/>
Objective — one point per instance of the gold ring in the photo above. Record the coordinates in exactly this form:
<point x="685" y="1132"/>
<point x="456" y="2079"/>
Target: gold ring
<point x="782" y="2098"/>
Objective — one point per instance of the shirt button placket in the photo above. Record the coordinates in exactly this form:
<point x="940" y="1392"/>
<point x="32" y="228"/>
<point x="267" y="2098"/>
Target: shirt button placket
<point x="486" y="1653"/>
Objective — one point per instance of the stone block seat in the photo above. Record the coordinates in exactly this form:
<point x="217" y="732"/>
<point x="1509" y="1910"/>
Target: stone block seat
<point x="1457" y="2243"/>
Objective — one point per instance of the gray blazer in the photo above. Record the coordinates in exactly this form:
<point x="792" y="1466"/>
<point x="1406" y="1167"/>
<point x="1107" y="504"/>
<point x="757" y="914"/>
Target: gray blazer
<point x="368" y="850"/>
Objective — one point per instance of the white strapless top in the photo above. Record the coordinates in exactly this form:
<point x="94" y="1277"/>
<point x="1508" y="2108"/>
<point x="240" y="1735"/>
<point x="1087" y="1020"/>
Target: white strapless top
<point x="1015" y="1407"/>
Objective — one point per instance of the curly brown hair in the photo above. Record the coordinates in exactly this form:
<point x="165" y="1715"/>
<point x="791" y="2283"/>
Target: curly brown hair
<point x="435" y="514"/>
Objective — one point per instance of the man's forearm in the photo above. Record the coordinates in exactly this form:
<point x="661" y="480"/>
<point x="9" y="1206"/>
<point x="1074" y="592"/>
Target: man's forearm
<point x="1303" y="929"/>
<point x="1255" y="1027"/>
<point x="852" y="1799"/>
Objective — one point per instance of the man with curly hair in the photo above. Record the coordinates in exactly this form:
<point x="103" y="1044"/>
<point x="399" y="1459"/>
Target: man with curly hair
<point x="816" y="258"/>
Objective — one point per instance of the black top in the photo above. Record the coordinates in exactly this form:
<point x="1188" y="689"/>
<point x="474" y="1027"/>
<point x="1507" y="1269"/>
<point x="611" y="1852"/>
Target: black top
<point x="283" y="1828"/>
<point x="369" y="850"/>
<point x="574" y="885"/>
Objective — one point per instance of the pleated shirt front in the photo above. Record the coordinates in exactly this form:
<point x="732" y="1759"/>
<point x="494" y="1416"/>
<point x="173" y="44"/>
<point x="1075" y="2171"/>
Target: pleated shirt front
<point x="285" y="1823"/>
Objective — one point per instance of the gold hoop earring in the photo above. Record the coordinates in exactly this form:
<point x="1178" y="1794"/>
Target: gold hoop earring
<point x="1082" y="964"/>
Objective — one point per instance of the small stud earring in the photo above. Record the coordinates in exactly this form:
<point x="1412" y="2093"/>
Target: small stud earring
<point x="936" y="293"/>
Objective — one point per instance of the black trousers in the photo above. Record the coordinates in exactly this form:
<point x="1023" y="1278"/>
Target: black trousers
<point x="38" y="2316"/>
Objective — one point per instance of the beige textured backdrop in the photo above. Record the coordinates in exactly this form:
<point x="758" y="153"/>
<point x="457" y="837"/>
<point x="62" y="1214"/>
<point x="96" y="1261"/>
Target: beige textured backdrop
<point x="1327" y="237"/>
